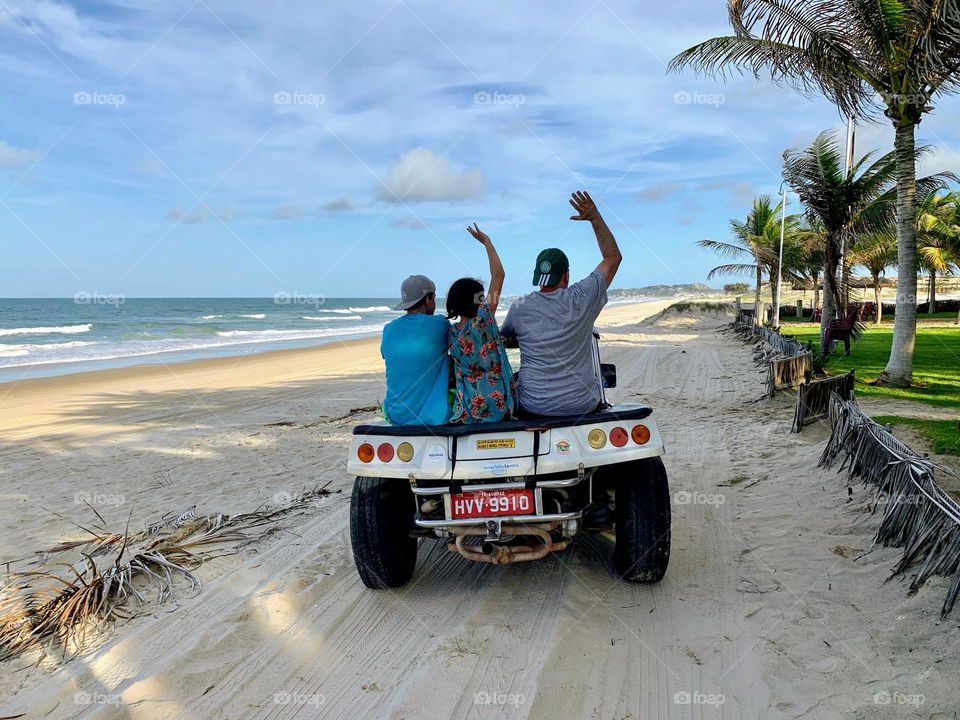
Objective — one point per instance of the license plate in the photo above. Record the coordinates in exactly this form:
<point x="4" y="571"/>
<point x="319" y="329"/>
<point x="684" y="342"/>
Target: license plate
<point x="491" y="503"/>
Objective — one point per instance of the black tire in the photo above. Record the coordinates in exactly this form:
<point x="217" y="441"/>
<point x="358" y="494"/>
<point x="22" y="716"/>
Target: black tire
<point x="381" y="518"/>
<point x="642" y="517"/>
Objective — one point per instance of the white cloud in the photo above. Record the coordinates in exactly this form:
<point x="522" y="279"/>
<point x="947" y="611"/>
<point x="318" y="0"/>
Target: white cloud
<point x="341" y="204"/>
<point x="656" y="193"/>
<point x="11" y="156"/>
<point x="422" y="176"/>
<point x="200" y="214"/>
<point x="412" y="223"/>
<point x="288" y="212"/>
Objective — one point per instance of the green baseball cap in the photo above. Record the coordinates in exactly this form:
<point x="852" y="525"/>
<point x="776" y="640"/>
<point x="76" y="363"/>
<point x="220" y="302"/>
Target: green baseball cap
<point x="552" y="263"/>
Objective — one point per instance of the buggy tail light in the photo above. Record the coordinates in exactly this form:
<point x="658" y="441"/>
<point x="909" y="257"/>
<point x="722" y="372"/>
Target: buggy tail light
<point x="597" y="438"/>
<point x="405" y="451"/>
<point x="618" y="437"/>
<point x="640" y="434"/>
<point x="365" y="452"/>
<point x="385" y="452"/>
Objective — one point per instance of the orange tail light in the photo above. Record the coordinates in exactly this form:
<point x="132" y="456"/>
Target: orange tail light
<point x="365" y="452"/>
<point x="640" y="434"/>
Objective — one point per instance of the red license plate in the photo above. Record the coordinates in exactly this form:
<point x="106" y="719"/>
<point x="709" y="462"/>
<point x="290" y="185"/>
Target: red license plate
<point x="491" y="503"/>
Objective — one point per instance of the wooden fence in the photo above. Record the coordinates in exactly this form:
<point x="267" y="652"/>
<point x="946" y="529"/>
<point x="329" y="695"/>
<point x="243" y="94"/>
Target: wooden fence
<point x="813" y="398"/>
<point x="788" y="362"/>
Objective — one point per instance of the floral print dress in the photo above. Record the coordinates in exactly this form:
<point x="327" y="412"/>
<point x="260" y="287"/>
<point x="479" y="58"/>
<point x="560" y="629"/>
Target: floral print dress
<point x="486" y="388"/>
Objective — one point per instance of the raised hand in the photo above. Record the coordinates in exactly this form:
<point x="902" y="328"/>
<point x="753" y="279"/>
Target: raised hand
<point x="479" y="234"/>
<point x="584" y="205"/>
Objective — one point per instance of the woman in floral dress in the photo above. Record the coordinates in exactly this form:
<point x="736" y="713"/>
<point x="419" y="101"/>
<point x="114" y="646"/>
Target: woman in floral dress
<point x="486" y="389"/>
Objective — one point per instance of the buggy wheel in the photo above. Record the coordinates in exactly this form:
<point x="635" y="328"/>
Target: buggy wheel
<point x="642" y="518"/>
<point x="381" y="518"/>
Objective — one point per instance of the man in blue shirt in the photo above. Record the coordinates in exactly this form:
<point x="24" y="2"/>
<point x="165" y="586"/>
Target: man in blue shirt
<point x="414" y="348"/>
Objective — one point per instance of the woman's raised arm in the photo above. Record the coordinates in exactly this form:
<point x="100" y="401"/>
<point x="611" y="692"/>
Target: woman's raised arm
<point x="497" y="273"/>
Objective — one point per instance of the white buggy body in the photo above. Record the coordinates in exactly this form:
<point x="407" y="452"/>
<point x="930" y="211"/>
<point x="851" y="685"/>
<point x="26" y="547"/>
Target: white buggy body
<point x="511" y="491"/>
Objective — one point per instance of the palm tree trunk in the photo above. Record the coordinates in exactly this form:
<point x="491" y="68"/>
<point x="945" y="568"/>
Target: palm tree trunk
<point x="774" y="284"/>
<point x="899" y="369"/>
<point x="877" y="300"/>
<point x="757" y="300"/>
<point x="816" y="290"/>
<point x="933" y="292"/>
<point x="831" y="296"/>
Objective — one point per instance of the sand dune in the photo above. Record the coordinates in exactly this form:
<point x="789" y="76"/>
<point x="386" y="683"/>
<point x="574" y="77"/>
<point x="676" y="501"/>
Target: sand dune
<point x="765" y="611"/>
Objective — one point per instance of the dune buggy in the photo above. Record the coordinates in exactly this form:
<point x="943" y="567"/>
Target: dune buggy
<point x="510" y="491"/>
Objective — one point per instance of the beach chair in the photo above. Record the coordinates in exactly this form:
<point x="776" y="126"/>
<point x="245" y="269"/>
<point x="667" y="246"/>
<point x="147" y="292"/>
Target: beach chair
<point x="844" y="329"/>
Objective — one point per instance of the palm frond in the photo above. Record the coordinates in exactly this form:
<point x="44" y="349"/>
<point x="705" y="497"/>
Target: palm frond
<point x="67" y="605"/>
<point x="731" y="269"/>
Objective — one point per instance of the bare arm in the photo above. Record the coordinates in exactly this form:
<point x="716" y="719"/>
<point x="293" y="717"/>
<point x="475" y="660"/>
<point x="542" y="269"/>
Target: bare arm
<point x="587" y="210"/>
<point x="496" y="268"/>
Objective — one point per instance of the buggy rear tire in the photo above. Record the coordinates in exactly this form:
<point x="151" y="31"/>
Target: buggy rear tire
<point x="381" y="518"/>
<point x="642" y="518"/>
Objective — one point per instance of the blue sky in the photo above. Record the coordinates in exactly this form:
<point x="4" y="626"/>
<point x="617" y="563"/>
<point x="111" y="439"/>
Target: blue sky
<point x="211" y="148"/>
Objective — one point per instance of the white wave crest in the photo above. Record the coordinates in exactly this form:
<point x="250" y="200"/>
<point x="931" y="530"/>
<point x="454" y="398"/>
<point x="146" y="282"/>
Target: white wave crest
<point x="60" y="329"/>
<point x="255" y="316"/>
<point x="325" y="319"/>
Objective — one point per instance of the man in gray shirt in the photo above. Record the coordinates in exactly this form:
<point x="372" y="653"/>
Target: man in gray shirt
<point x="554" y="327"/>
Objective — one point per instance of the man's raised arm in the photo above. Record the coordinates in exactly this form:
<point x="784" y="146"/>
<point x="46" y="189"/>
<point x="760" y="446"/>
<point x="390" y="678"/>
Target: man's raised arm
<point x="587" y="210"/>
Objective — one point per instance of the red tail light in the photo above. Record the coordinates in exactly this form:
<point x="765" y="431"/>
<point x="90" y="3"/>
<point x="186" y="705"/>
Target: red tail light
<point x="385" y="452"/>
<point x="618" y="437"/>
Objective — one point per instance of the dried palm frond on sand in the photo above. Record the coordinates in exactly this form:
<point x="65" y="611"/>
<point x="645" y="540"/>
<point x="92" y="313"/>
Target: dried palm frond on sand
<point x="66" y="605"/>
<point x="918" y="515"/>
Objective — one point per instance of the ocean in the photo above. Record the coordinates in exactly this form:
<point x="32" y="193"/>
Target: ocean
<point x="56" y="336"/>
<point x="41" y="337"/>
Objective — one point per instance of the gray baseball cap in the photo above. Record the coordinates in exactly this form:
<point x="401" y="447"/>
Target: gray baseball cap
<point x="414" y="289"/>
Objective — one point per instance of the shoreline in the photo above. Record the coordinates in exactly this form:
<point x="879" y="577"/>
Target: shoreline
<point x="41" y="406"/>
<point x="146" y="369"/>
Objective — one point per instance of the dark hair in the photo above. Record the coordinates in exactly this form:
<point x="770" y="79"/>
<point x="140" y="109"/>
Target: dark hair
<point x="464" y="297"/>
<point x="421" y="303"/>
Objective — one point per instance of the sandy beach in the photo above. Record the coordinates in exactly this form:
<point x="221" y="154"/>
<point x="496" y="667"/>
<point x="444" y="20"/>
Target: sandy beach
<point x="768" y="609"/>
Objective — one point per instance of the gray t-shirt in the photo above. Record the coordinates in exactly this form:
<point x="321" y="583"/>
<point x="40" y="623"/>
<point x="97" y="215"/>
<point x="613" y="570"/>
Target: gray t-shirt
<point x="558" y="373"/>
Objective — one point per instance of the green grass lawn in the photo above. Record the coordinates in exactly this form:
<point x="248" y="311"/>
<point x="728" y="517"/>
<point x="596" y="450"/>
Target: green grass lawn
<point x="942" y="435"/>
<point x="936" y="362"/>
<point x="936" y="374"/>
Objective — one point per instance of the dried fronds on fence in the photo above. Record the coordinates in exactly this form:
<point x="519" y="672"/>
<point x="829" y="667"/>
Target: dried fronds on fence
<point x="787" y="373"/>
<point x="788" y="362"/>
<point x="918" y="515"/>
<point x="64" y="605"/>
<point x="813" y="398"/>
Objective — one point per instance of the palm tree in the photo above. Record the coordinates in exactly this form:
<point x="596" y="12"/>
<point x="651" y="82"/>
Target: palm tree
<point x="937" y="232"/>
<point x="812" y="239"/>
<point x="862" y="55"/>
<point x="876" y="252"/>
<point x="843" y="205"/>
<point x="756" y="243"/>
